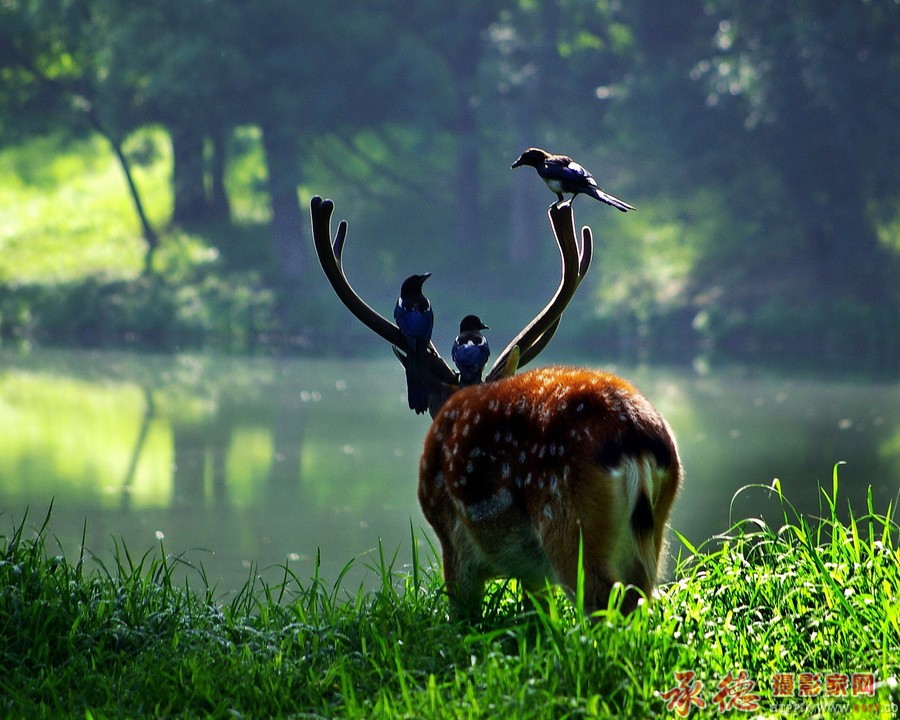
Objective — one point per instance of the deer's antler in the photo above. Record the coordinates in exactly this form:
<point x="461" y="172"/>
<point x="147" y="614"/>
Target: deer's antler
<point x="330" y="258"/>
<point x="330" y="254"/>
<point x="518" y="353"/>
<point x="575" y="263"/>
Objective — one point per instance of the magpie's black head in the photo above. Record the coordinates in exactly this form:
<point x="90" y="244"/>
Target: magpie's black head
<point x="532" y="156"/>
<point x="472" y="322"/>
<point x="413" y="284"/>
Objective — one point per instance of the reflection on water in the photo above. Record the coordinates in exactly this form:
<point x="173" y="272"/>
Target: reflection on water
<point x="247" y="464"/>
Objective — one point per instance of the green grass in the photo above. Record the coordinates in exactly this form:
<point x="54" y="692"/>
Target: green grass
<point x="808" y="597"/>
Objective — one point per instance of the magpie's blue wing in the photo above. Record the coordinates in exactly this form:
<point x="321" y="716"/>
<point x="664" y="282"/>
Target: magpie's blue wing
<point x="414" y="324"/>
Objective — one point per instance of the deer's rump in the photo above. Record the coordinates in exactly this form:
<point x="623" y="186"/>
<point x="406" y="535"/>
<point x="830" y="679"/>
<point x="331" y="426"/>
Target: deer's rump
<point x="516" y="474"/>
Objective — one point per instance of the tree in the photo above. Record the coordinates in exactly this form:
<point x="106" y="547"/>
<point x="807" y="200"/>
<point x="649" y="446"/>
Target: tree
<point x="183" y="61"/>
<point x="820" y="90"/>
<point x="774" y="124"/>
<point x="558" y="66"/>
<point x="54" y="58"/>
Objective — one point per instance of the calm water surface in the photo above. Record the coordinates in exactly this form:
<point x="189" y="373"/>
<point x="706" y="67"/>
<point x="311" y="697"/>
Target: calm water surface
<point x="245" y="465"/>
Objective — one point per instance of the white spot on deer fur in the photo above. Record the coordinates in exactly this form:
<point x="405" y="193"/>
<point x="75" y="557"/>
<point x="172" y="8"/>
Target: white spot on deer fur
<point x="522" y="457"/>
<point x="493" y="405"/>
<point x="542" y="451"/>
<point x="548" y="512"/>
<point x="504" y="471"/>
<point x="497" y="436"/>
<point x="470" y="467"/>
<point x="438" y="480"/>
<point x="493" y="506"/>
<point x="579" y="407"/>
<point x="475" y="452"/>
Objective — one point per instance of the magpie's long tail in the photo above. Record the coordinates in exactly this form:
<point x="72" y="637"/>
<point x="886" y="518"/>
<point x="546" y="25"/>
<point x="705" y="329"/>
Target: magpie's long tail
<point x="417" y="381"/>
<point x="602" y="196"/>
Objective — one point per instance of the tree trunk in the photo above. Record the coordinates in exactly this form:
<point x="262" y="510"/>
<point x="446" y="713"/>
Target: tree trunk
<point x="219" y="207"/>
<point x="288" y="238"/>
<point x="190" y="205"/>
<point x="282" y="161"/>
<point x="151" y="239"/>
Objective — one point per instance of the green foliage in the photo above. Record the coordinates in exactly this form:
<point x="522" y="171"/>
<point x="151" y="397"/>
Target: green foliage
<point x="758" y="142"/>
<point x="231" y="314"/>
<point x="65" y="214"/>
<point x="72" y="256"/>
<point x="816" y="597"/>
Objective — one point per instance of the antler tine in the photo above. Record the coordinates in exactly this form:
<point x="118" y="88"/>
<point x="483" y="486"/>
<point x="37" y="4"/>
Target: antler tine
<point x="330" y="259"/>
<point x="586" y="252"/>
<point x="575" y="262"/>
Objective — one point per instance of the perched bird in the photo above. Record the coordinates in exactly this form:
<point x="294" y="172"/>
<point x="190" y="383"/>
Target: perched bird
<point x="415" y="319"/>
<point x="470" y="350"/>
<point x="564" y="175"/>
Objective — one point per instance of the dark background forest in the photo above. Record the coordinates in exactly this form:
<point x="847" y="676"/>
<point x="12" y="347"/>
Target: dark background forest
<point x="760" y="142"/>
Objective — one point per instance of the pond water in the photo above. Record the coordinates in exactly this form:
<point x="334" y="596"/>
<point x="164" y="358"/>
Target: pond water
<point x="245" y="465"/>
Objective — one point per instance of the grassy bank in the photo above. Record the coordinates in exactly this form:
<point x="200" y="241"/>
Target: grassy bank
<point x="759" y="618"/>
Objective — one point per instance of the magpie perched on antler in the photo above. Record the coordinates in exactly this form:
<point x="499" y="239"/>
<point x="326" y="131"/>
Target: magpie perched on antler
<point x="414" y="317"/>
<point x="470" y="350"/>
<point x="563" y="175"/>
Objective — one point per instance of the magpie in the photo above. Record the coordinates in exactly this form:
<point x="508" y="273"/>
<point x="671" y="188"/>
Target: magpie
<point x="470" y="350"/>
<point x="415" y="319"/>
<point x="563" y="175"/>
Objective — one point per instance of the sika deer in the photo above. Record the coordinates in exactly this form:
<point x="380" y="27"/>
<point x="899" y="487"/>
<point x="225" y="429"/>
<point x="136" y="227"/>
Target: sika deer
<point x="515" y="474"/>
<point x="523" y="473"/>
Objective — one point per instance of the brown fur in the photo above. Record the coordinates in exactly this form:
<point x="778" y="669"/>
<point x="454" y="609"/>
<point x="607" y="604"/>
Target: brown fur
<point x="515" y="472"/>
